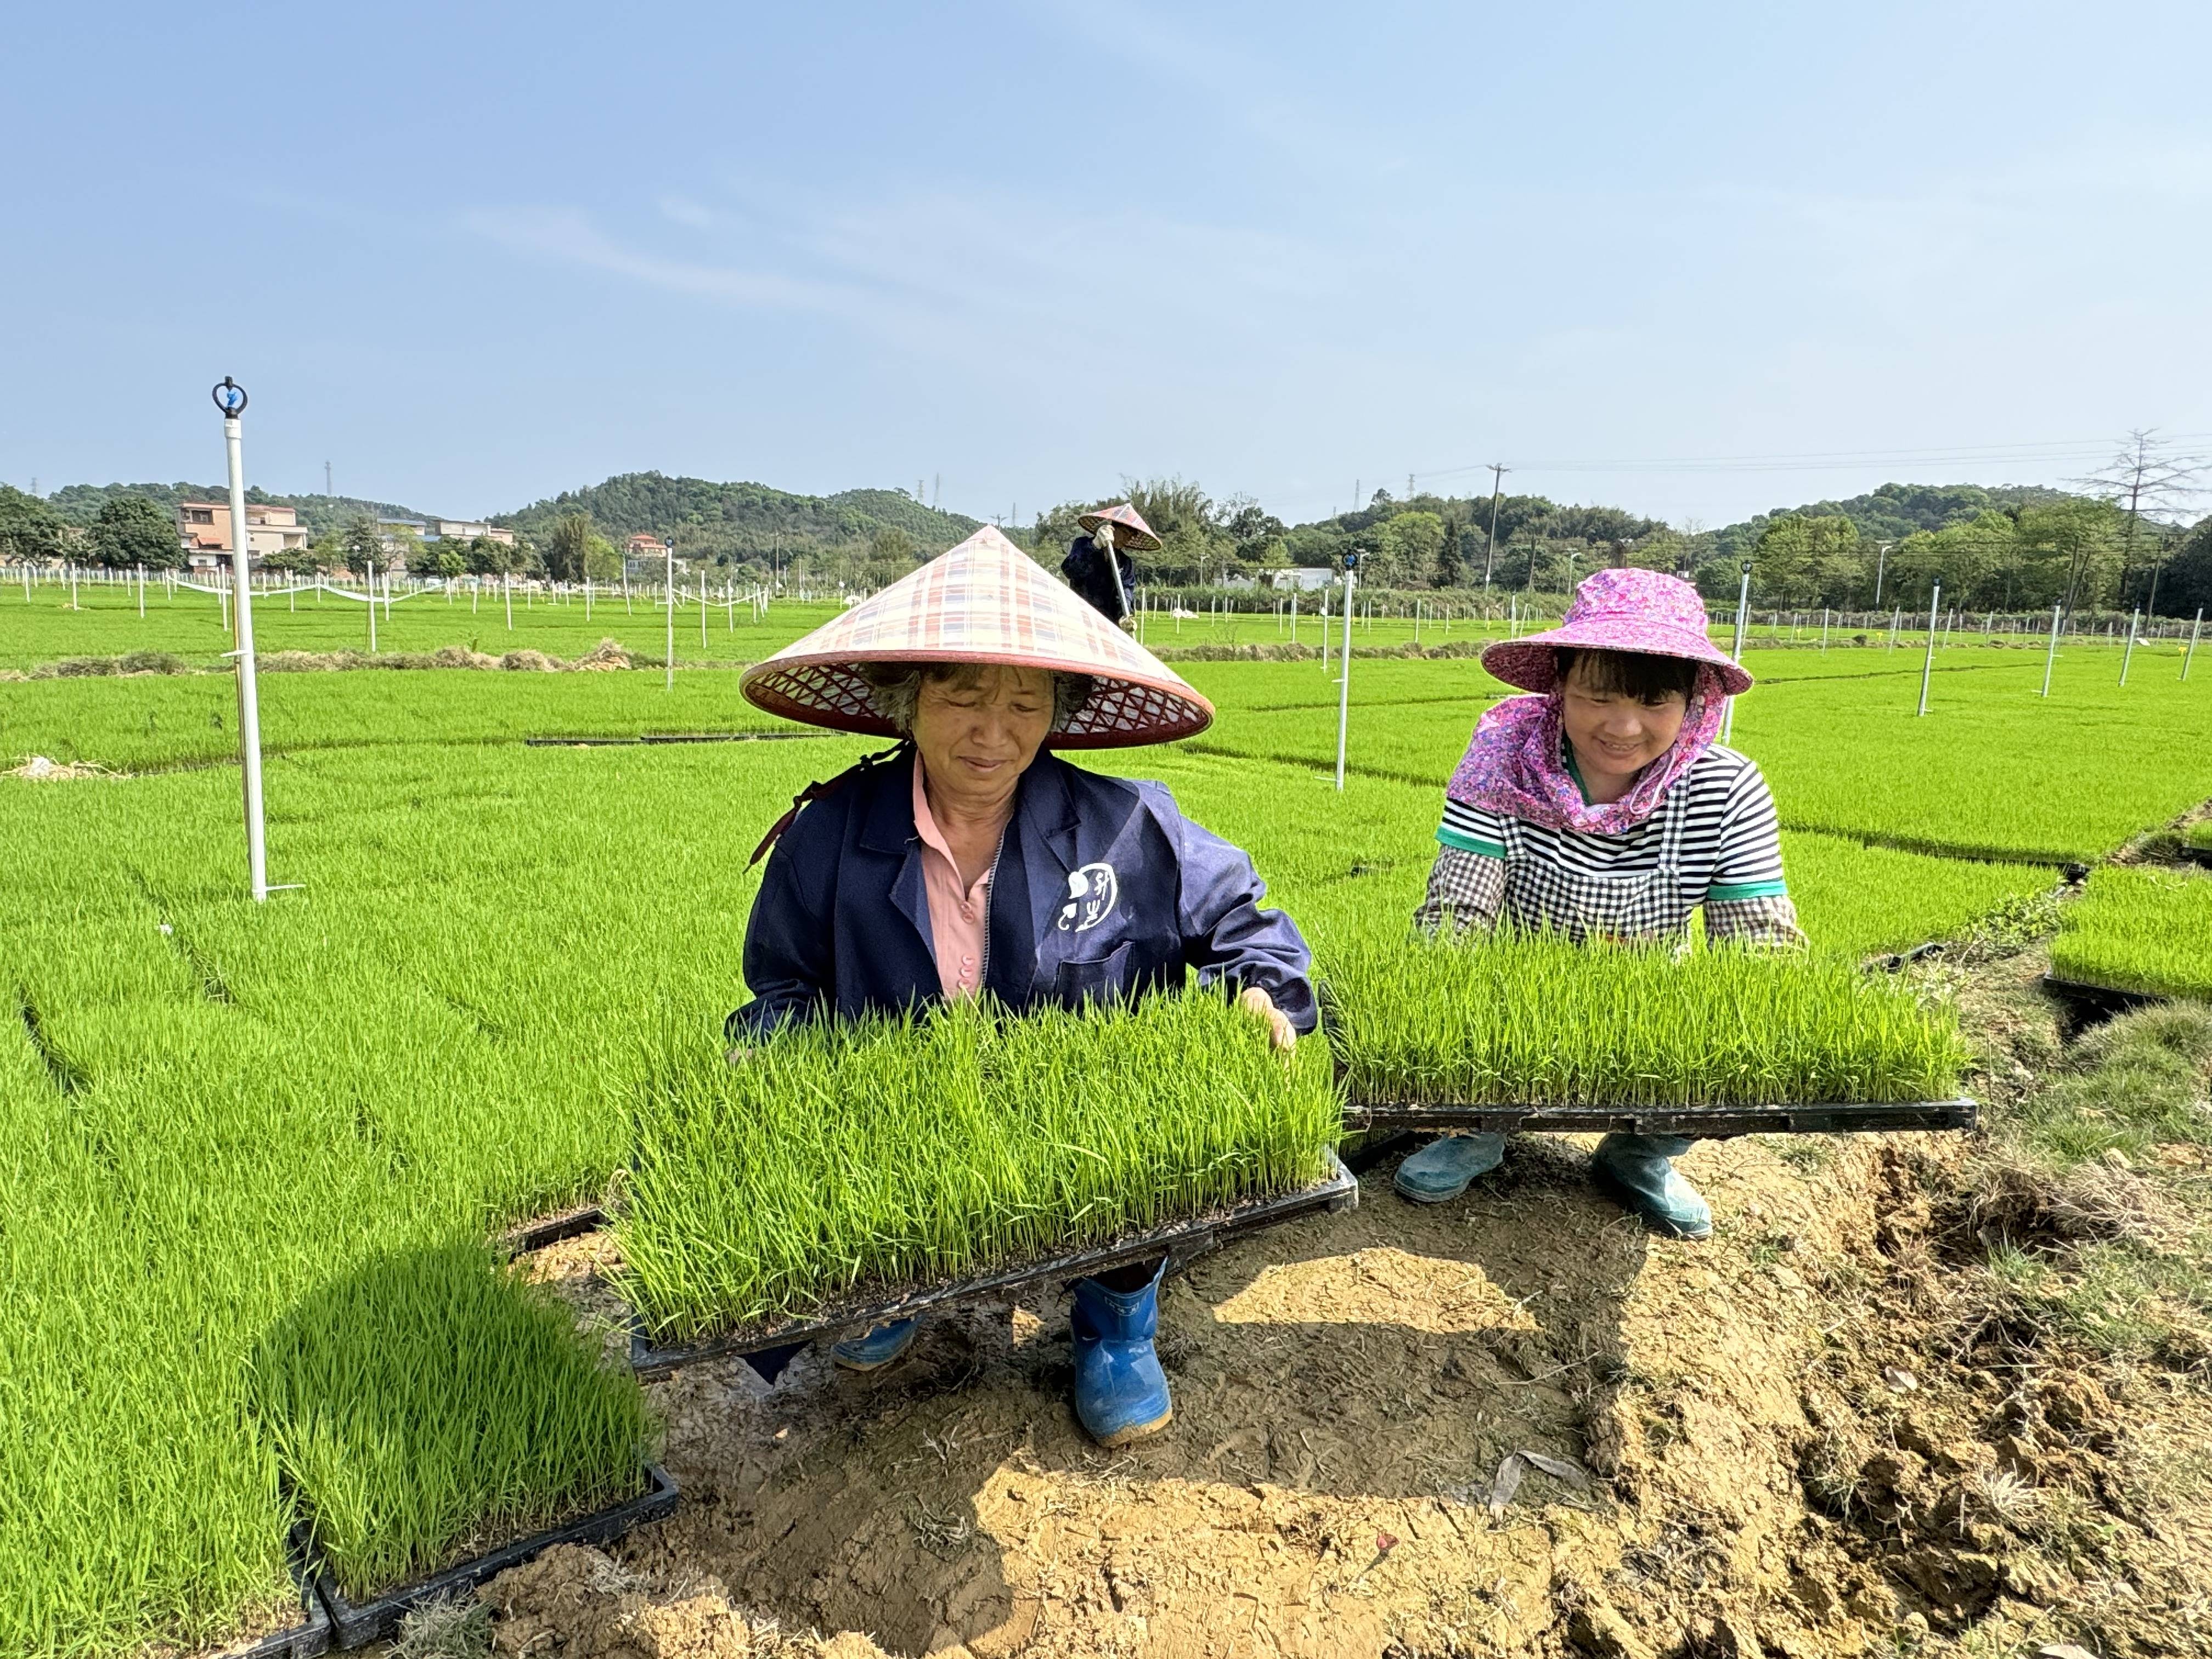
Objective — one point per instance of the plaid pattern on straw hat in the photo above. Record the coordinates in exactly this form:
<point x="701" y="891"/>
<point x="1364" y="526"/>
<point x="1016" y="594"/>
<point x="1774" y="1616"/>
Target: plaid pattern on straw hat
<point x="1645" y="611"/>
<point x="985" y="601"/>
<point x="1131" y="534"/>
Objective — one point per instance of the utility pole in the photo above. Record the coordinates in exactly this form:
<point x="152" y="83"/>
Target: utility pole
<point x="326" y="480"/>
<point x="1490" y="552"/>
<point x="1880" y="562"/>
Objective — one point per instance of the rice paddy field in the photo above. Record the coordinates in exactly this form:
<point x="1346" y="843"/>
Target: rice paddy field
<point x="258" y="1157"/>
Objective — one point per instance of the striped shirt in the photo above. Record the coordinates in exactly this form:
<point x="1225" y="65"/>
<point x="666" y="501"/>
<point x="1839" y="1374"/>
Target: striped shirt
<point x="1729" y="845"/>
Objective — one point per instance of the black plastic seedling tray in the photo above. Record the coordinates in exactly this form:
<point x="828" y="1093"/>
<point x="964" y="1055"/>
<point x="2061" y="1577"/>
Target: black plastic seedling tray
<point x="1180" y="1242"/>
<point x="2090" y="1005"/>
<point x="378" y="1620"/>
<point x="552" y="1229"/>
<point x="312" y="1635"/>
<point x="1704" y="1122"/>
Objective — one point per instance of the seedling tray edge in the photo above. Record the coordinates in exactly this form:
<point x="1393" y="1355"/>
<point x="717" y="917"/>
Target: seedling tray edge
<point x="1180" y="1242"/>
<point x="378" y="1619"/>
<point x="1704" y="1122"/>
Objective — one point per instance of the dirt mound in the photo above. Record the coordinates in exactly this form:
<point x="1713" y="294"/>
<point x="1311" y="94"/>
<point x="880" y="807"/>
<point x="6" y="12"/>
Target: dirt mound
<point x="574" y="1602"/>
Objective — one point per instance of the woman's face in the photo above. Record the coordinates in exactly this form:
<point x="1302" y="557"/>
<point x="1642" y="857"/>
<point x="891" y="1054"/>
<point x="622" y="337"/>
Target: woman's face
<point x="978" y="729"/>
<point x="1616" y="734"/>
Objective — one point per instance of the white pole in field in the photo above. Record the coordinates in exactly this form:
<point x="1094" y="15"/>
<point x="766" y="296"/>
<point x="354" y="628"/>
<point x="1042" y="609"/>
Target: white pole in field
<point x="1824" y="628"/>
<point x="2190" y="655"/>
<point x="1896" y="621"/>
<point x="703" y="613"/>
<point x="668" y="551"/>
<point x="587" y="596"/>
<point x="1324" y="630"/>
<point x="2134" y="627"/>
<point x="230" y="398"/>
<point x="1742" y="622"/>
<point x="142" y="592"/>
<point x="1928" y="667"/>
<point x="1343" y="671"/>
<point x="2051" y="656"/>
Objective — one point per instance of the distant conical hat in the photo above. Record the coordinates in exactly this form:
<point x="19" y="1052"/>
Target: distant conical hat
<point x="986" y="601"/>
<point x="1130" y="532"/>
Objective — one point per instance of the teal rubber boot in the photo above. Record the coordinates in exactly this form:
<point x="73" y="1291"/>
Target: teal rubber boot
<point x="876" y="1346"/>
<point x="1120" y="1392"/>
<point x="1639" y="1170"/>
<point x="1442" y="1170"/>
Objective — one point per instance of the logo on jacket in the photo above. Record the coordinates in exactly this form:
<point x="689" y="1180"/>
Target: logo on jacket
<point x="1092" y="892"/>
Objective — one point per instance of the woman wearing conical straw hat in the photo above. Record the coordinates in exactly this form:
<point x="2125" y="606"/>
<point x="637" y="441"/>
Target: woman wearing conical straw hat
<point x="974" y="859"/>
<point x="1099" y="566"/>
<point x="1601" y="806"/>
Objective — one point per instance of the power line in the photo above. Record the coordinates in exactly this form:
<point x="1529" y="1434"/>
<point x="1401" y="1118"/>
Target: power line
<point x="2072" y="449"/>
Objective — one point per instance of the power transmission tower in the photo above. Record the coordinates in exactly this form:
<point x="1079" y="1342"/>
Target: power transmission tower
<point x="1497" y="472"/>
<point x="2147" y="477"/>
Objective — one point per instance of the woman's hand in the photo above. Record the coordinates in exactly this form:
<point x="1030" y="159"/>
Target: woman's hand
<point x="1282" y="1033"/>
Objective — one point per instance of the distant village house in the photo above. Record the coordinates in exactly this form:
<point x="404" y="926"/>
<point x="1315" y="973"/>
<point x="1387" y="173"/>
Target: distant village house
<point x="204" y="528"/>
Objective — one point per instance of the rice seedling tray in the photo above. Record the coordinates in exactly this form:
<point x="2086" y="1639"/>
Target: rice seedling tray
<point x="1704" y="1122"/>
<point x="540" y="1231"/>
<point x="312" y="1635"/>
<point x="1181" y="1241"/>
<point x="355" y="1624"/>
<point x="2090" y="1005"/>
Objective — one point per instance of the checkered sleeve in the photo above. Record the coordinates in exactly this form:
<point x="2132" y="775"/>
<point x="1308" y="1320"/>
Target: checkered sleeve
<point x="1768" y="922"/>
<point x="1465" y="888"/>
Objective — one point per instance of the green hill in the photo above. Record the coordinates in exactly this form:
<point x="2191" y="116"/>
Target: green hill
<point x="81" y="503"/>
<point x="742" y="521"/>
<point x="1893" y="512"/>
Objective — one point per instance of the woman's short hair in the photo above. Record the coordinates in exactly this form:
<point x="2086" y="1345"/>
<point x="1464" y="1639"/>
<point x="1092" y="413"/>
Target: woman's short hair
<point x="1644" y="675"/>
<point x="895" y="687"/>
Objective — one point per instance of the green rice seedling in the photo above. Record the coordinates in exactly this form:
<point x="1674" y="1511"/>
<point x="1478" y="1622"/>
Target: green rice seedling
<point x="2198" y="835"/>
<point x="1531" y="1019"/>
<point x="431" y="1400"/>
<point x="2139" y="929"/>
<point x="890" y="1153"/>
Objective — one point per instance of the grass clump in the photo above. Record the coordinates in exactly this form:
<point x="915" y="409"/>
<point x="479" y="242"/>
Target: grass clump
<point x="2139" y="929"/>
<point x="431" y="1403"/>
<point x="1523" y="1018"/>
<point x="2198" y="835"/>
<point x="896" y="1152"/>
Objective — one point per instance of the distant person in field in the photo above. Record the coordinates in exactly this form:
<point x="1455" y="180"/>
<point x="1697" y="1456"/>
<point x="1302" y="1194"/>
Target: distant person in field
<point x="972" y="858"/>
<point x="1600" y="807"/>
<point x="1099" y="566"/>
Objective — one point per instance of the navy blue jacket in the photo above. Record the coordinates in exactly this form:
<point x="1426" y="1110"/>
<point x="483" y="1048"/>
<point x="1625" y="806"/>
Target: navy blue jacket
<point x="1103" y="890"/>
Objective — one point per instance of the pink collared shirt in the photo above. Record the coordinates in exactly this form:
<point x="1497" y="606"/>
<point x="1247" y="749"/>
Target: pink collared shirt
<point x="957" y="919"/>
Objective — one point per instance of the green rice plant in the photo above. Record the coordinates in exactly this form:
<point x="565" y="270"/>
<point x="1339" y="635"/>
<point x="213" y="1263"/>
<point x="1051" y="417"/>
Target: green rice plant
<point x="2139" y="929"/>
<point x="1531" y="1019"/>
<point x="890" y="1153"/>
<point x="431" y="1402"/>
<point x="2198" y="835"/>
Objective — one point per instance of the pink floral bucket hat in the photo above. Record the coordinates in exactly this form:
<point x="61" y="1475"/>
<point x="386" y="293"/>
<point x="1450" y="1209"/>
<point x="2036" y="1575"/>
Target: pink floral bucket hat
<point x="1644" y="611"/>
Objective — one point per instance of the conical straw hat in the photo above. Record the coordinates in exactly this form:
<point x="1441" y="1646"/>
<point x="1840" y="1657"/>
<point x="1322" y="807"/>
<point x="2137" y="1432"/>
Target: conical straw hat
<point x="986" y="601"/>
<point x="1130" y="532"/>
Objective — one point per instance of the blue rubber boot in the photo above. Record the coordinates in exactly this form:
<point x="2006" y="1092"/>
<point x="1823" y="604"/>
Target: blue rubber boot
<point x="876" y="1346"/>
<point x="1637" y="1169"/>
<point x="1120" y="1392"/>
<point x="1442" y="1169"/>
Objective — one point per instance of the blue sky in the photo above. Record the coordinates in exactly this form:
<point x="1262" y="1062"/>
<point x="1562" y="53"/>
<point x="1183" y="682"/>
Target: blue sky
<point x="472" y="255"/>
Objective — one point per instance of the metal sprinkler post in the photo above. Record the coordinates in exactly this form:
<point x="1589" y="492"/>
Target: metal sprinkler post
<point x="668" y="580"/>
<point x="1344" y="669"/>
<point x="230" y="398"/>
<point x="1928" y="667"/>
<point x="1742" y="621"/>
